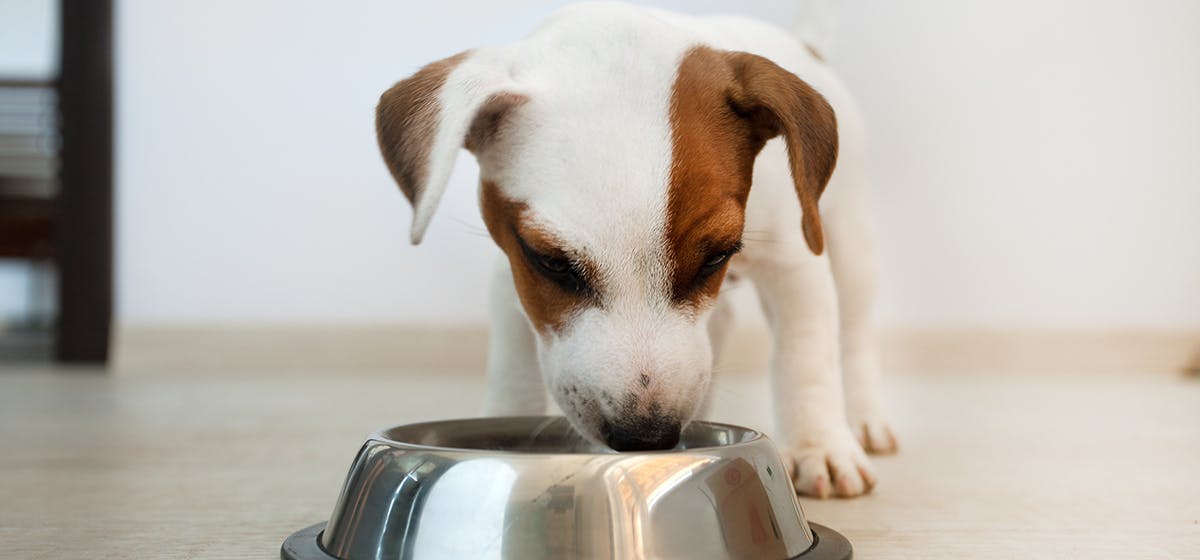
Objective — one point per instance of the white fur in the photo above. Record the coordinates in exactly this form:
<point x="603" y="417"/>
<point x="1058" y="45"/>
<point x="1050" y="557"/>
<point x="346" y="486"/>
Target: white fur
<point x="591" y="161"/>
<point x="589" y="153"/>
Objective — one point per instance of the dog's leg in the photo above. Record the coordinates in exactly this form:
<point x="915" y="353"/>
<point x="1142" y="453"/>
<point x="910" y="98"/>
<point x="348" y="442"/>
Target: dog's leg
<point x="720" y="323"/>
<point x="798" y="297"/>
<point x="852" y="254"/>
<point x="514" y="380"/>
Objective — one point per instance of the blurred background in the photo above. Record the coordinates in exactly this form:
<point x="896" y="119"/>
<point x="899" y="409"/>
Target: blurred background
<point x="1036" y="169"/>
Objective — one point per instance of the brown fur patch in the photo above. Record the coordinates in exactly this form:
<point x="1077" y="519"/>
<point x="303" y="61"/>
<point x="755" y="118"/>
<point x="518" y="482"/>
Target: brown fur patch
<point x="713" y="161"/>
<point x="546" y="304"/>
<point x="406" y="122"/>
<point x="724" y="107"/>
<point x="489" y="118"/>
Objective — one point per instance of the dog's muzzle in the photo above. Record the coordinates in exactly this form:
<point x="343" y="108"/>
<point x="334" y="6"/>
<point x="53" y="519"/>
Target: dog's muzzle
<point x="645" y="433"/>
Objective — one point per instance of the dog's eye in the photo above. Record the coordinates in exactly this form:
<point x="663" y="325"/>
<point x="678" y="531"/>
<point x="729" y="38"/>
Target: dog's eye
<point x="564" y="272"/>
<point x="716" y="261"/>
<point x="557" y="266"/>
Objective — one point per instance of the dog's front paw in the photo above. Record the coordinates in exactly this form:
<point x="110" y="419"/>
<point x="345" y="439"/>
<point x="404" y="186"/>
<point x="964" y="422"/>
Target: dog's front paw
<point x="875" y="435"/>
<point x="832" y="464"/>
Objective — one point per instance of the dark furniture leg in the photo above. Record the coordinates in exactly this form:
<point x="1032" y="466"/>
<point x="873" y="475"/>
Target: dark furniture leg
<point x="85" y="201"/>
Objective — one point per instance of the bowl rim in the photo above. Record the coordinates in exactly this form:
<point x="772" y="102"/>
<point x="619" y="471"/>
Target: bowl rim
<point x="379" y="435"/>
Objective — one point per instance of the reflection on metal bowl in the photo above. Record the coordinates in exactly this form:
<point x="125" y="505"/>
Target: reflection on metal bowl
<point x="531" y="488"/>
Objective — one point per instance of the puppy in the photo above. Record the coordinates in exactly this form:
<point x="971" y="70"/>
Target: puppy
<point x="630" y="160"/>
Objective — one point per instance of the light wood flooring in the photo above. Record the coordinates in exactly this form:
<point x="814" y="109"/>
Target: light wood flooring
<point x="227" y="465"/>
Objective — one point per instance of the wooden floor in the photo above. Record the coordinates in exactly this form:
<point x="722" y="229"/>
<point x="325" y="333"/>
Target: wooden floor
<point x="226" y="466"/>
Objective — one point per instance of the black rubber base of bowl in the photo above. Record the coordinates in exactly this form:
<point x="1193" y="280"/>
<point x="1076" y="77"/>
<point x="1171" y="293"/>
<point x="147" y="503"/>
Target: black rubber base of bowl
<point x="304" y="545"/>
<point x="828" y="545"/>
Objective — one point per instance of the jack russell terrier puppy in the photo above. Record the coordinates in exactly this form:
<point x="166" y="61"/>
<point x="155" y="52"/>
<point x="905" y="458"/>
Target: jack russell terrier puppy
<point x="630" y="160"/>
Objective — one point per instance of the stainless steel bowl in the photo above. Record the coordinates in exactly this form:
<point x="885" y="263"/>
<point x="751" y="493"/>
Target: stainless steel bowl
<point x="531" y="488"/>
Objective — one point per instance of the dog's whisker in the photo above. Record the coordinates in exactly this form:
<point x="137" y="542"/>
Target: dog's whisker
<point x="761" y="239"/>
<point x="470" y="228"/>
<point x="573" y="436"/>
<point x="542" y="427"/>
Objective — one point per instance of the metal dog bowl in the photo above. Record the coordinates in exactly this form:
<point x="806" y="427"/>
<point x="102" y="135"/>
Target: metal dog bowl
<point x="531" y="488"/>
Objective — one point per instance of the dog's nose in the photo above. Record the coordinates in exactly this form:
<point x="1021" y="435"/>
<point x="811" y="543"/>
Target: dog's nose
<point x="642" y="434"/>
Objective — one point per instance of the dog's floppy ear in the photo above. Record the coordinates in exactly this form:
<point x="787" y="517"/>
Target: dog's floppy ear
<point x="777" y="102"/>
<point x="423" y="121"/>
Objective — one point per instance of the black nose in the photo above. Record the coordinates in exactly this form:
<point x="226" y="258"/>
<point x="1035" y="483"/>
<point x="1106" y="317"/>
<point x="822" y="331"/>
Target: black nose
<point x="642" y="434"/>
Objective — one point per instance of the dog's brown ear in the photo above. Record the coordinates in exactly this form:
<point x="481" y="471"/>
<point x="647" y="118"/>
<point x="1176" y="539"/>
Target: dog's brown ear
<point x="777" y="102"/>
<point x="423" y="121"/>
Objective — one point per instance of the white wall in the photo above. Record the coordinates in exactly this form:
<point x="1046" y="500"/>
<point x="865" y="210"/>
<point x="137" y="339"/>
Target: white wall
<point x="28" y="38"/>
<point x="1037" y="162"/>
<point x="1034" y="164"/>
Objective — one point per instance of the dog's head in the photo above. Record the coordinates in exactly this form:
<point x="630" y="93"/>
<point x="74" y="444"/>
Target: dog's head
<point x="617" y="189"/>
